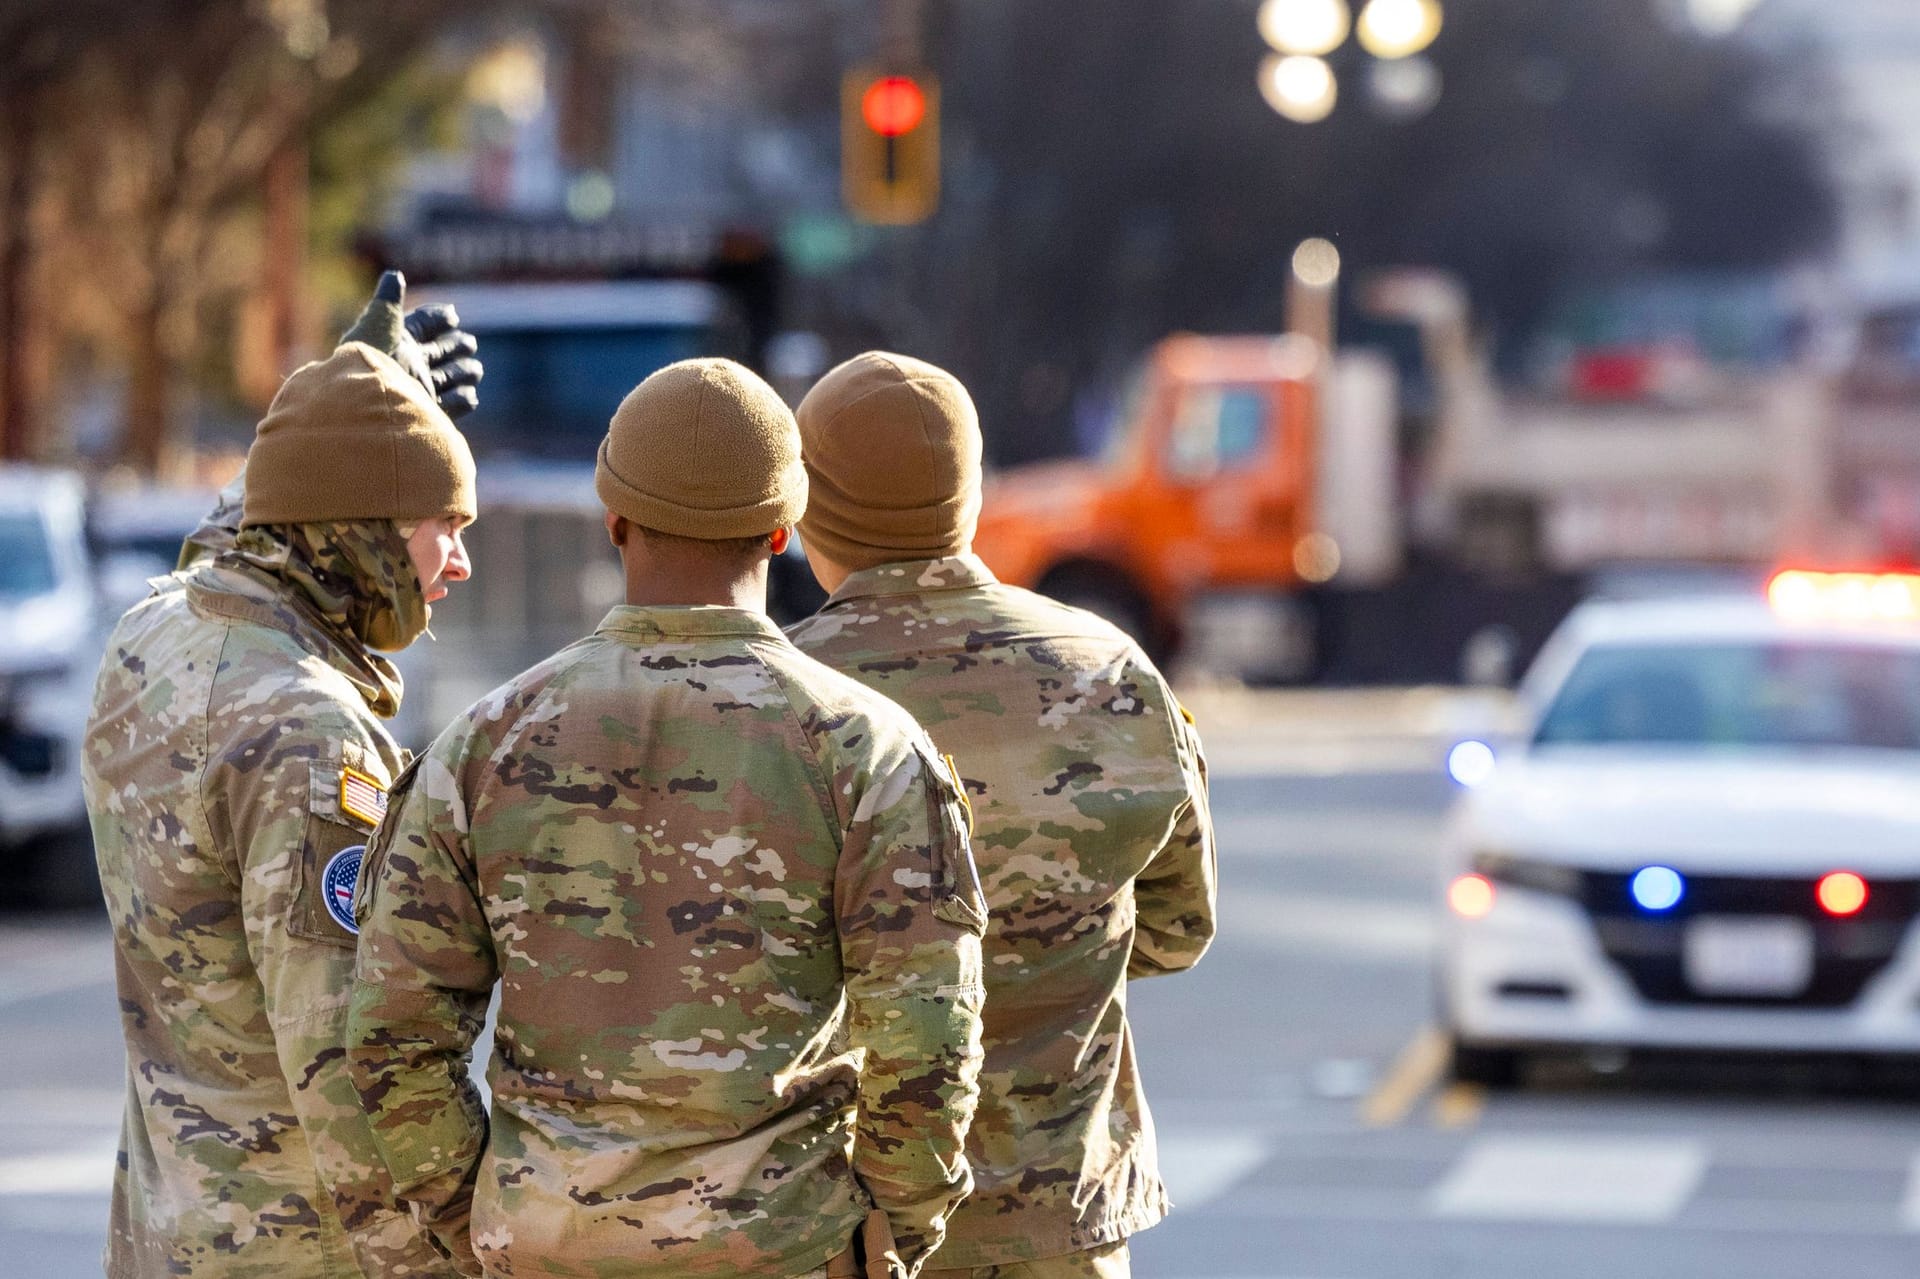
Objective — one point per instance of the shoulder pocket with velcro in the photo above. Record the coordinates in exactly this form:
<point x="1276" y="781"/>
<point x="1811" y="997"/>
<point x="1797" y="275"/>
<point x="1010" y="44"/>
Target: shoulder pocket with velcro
<point x="346" y="798"/>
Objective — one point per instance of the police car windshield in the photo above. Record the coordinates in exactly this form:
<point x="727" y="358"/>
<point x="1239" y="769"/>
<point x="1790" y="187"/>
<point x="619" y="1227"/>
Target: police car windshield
<point x="1740" y="695"/>
<point x="26" y="560"/>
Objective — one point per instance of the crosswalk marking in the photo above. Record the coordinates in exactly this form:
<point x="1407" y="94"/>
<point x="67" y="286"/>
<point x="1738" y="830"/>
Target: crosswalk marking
<point x="1199" y="1167"/>
<point x="1571" y="1178"/>
<point x="61" y="1172"/>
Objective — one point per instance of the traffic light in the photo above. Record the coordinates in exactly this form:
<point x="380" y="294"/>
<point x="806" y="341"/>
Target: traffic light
<point x="890" y="146"/>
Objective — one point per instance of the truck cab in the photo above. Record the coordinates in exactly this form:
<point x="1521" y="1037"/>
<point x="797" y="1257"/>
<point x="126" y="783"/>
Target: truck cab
<point x="1214" y="488"/>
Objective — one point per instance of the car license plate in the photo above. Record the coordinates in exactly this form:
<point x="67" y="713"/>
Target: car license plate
<point x="1732" y="956"/>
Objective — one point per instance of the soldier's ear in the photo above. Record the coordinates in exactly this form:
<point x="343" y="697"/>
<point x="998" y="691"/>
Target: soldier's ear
<point x="617" y="529"/>
<point x="779" y="539"/>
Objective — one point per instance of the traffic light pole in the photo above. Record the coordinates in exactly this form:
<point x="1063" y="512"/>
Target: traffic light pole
<point x="900" y="34"/>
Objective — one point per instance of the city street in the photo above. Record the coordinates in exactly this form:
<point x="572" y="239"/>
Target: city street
<point x="1296" y="1077"/>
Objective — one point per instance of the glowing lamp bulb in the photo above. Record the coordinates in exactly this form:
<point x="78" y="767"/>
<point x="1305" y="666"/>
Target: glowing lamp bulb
<point x="1399" y="28"/>
<point x="1309" y="27"/>
<point x="1470" y="763"/>
<point x="1841" y="893"/>
<point x="893" y="106"/>
<point x="1300" y="88"/>
<point x="1471" y="896"/>
<point x="1657" y="888"/>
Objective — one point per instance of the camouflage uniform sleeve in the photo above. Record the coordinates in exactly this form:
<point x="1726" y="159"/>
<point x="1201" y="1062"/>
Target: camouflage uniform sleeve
<point x="911" y="916"/>
<point x="288" y="829"/>
<point x="425" y="969"/>
<point x="1174" y="896"/>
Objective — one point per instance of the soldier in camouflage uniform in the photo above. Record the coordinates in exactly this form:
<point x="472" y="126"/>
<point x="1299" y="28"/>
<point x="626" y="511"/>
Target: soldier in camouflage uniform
<point x="1089" y="800"/>
<point x="725" y="894"/>
<point x="234" y="763"/>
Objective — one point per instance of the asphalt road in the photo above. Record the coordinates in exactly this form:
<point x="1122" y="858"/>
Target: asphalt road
<point x="1305" y="1128"/>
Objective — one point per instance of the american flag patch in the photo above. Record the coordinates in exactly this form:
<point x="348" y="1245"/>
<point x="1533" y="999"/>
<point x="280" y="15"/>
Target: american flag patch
<point x="362" y="797"/>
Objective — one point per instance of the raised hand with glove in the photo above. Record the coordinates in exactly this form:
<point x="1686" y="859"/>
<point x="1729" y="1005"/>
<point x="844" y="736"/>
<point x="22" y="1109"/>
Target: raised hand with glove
<point x="427" y="342"/>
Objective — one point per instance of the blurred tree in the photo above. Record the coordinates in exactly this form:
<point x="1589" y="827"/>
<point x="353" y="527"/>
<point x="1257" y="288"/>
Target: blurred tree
<point x="172" y="148"/>
<point x="1115" y="174"/>
<point x="354" y="162"/>
<point x="199" y="99"/>
<point x="38" y="39"/>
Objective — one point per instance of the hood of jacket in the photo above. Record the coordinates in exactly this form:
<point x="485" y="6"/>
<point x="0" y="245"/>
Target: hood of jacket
<point x="353" y="583"/>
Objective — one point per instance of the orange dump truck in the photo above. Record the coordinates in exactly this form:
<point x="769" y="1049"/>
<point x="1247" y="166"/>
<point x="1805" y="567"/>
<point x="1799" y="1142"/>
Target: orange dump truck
<point x="1227" y="492"/>
<point x="1258" y="510"/>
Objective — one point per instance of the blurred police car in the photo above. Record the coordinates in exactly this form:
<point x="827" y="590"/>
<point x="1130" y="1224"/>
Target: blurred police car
<point x="1707" y="837"/>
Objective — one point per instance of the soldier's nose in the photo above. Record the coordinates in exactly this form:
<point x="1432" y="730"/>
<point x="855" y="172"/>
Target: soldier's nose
<point x="459" y="567"/>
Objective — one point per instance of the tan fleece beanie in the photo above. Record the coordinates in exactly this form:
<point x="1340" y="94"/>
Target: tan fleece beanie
<point x="703" y="449"/>
<point x="892" y="445"/>
<point x="356" y="437"/>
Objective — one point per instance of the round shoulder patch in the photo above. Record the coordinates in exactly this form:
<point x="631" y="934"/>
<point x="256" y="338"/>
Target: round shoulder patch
<point x="336" y="885"/>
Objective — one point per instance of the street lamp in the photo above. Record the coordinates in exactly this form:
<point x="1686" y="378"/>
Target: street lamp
<point x="1307" y="28"/>
<point x="1300" y="88"/>
<point x="1392" y="29"/>
<point x="1298" y="83"/>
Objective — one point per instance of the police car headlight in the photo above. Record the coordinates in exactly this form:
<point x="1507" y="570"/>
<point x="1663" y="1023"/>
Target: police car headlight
<point x="1524" y="872"/>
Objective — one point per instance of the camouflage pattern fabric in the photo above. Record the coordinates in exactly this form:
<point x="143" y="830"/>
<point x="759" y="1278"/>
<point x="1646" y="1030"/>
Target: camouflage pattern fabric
<point x="1108" y="1261"/>
<point x="1094" y="842"/>
<point x="233" y="756"/>
<point x="219" y="528"/>
<point x="727" y="897"/>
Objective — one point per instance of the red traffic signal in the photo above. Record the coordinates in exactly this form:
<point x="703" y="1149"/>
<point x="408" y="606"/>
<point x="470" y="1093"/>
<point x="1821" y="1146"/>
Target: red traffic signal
<point x="893" y="105"/>
<point x="890" y="145"/>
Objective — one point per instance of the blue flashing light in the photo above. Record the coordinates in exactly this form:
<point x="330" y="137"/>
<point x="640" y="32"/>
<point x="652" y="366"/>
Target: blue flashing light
<point x="1470" y="763"/>
<point x="1658" y="888"/>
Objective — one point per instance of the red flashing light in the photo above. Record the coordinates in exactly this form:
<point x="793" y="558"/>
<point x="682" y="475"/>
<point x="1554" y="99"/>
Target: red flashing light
<point x="1805" y="595"/>
<point x="1841" y="893"/>
<point x="893" y="106"/>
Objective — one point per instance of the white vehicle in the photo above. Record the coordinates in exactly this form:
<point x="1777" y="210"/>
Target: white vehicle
<point x="48" y="652"/>
<point x="1706" y="835"/>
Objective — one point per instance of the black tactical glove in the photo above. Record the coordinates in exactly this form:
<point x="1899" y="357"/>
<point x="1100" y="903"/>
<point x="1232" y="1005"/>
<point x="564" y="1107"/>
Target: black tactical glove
<point x="427" y="342"/>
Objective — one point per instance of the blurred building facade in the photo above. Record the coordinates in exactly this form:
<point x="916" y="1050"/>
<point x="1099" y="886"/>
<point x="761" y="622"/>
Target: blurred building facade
<point x="1871" y="52"/>
<point x="587" y="113"/>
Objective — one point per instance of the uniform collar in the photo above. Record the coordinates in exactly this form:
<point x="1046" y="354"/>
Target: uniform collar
<point x="916" y="577"/>
<point x="700" y="621"/>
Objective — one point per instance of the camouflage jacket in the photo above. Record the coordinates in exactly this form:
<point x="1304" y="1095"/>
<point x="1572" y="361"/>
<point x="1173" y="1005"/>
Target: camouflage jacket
<point x="1094" y="843"/>
<point x="232" y="765"/>
<point x="727" y="898"/>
